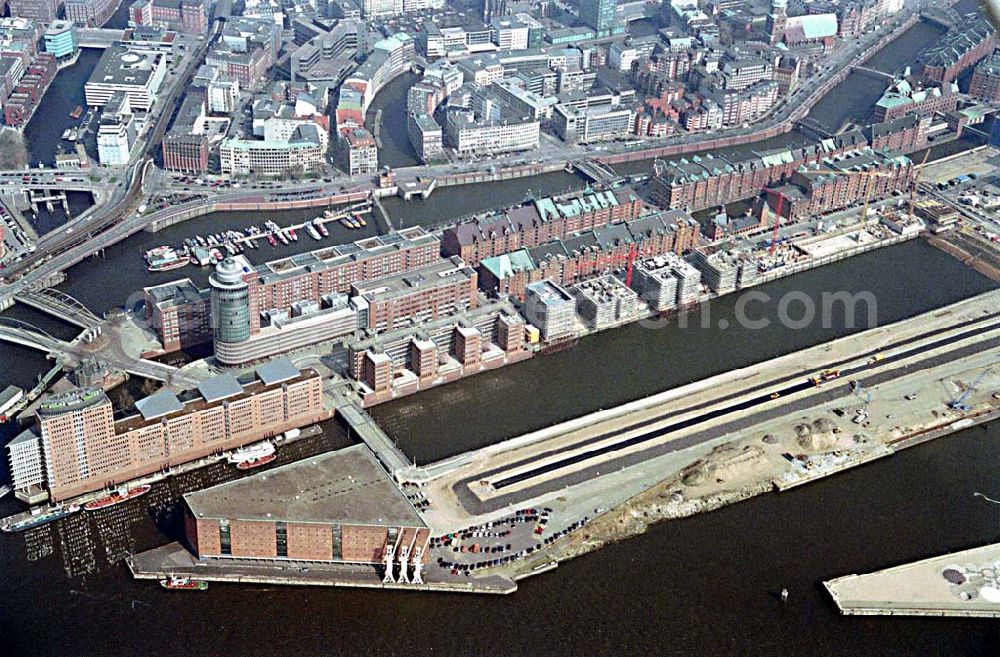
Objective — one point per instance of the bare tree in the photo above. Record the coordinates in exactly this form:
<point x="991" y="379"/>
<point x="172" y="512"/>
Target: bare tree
<point x="13" y="151"/>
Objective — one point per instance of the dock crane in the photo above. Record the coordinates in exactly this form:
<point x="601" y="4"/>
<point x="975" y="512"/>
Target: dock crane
<point x="958" y="403"/>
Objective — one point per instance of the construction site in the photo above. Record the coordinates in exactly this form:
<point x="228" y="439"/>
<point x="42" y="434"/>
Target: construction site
<point x="769" y="427"/>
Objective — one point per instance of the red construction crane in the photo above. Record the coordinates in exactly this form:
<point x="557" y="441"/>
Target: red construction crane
<point x="777" y="220"/>
<point x="631" y="261"/>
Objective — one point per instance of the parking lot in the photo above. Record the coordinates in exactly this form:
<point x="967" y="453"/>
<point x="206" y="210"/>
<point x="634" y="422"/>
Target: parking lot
<point x="16" y="242"/>
<point x="498" y="542"/>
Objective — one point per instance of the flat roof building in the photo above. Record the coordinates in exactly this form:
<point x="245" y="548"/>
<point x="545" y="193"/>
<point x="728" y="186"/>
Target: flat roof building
<point x="338" y="507"/>
<point x="442" y="288"/>
<point x="138" y="74"/>
<point x="85" y="448"/>
<point x="551" y="309"/>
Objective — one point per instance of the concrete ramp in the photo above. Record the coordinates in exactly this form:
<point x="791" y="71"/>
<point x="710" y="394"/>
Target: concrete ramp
<point x="964" y="584"/>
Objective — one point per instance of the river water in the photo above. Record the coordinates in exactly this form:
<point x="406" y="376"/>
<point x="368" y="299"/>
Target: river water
<point x="704" y="585"/>
<point x="616" y="366"/>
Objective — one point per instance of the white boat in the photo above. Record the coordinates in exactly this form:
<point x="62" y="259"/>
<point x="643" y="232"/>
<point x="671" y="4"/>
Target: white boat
<point x="313" y="233"/>
<point x="252" y="452"/>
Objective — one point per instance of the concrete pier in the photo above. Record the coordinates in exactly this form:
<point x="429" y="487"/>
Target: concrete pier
<point x="963" y="584"/>
<point x="174" y="560"/>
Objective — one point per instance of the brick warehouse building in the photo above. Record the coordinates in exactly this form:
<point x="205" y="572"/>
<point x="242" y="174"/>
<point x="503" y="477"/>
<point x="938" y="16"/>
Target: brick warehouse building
<point x="588" y="253"/>
<point x="985" y="83"/>
<point x="179" y="313"/>
<point x="83" y="447"/>
<point x="537" y="222"/>
<point x="811" y="190"/>
<point x="703" y="182"/>
<point x="972" y="39"/>
<point x="338" y="507"/>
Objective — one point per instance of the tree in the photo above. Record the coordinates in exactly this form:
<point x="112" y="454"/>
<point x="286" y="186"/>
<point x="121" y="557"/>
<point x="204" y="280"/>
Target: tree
<point x="13" y="151"/>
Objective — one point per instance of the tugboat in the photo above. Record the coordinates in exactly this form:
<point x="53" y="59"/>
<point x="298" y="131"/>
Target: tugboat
<point x="116" y="497"/>
<point x="255" y="463"/>
<point x="183" y="584"/>
<point x="39" y="518"/>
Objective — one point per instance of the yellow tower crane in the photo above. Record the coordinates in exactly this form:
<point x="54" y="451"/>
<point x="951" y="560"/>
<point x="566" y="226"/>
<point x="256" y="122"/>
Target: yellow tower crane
<point x="869" y="184"/>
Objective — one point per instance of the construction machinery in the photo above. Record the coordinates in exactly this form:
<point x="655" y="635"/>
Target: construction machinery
<point x="916" y="180"/>
<point x="777" y="220"/>
<point x="958" y="403"/>
<point x="632" y="252"/>
<point x="861" y="392"/>
<point x="825" y="375"/>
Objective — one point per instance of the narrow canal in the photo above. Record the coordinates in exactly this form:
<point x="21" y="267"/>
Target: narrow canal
<point x="612" y="367"/>
<point x="44" y="132"/>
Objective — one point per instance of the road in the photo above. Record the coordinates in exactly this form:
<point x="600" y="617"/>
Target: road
<point x="116" y="219"/>
<point x="729" y="420"/>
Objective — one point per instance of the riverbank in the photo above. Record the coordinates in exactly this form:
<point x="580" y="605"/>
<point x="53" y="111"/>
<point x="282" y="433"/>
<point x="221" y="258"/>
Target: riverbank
<point x="672" y="499"/>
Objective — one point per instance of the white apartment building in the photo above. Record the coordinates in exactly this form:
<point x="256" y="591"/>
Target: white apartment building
<point x="469" y="136"/>
<point x="137" y="74"/>
<point x="304" y="152"/>
<point x="223" y="95"/>
<point x="593" y="123"/>
<point x="116" y="132"/>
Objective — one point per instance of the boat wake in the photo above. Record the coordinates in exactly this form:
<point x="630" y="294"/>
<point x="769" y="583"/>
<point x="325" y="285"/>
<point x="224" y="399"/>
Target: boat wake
<point x="988" y="499"/>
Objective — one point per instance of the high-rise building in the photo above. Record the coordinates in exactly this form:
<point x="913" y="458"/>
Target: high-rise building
<point x="600" y="14"/>
<point x="230" y="303"/>
<point x="116" y="133"/>
<point x="60" y="39"/>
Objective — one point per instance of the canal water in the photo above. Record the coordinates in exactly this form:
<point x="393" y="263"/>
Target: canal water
<point x="616" y="366"/>
<point x="446" y="204"/>
<point x="396" y="149"/>
<point x="904" y="51"/>
<point x="706" y="585"/>
<point x="110" y="280"/>
<point x="44" y="132"/>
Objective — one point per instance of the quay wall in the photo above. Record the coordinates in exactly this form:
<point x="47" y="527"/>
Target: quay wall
<point x="201" y="208"/>
<point x="763" y="278"/>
